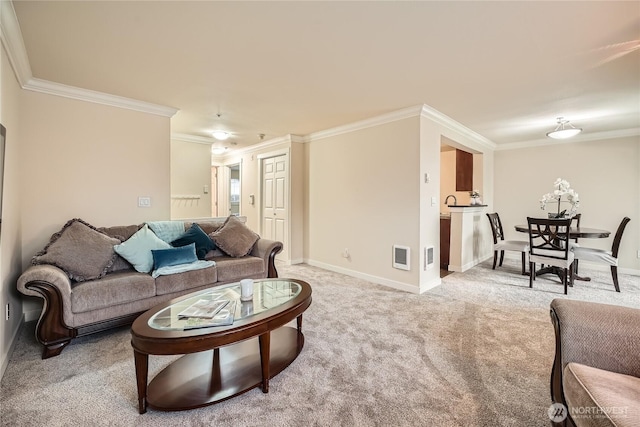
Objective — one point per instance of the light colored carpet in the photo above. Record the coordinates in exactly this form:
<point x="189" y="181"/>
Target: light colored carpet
<point x="475" y="351"/>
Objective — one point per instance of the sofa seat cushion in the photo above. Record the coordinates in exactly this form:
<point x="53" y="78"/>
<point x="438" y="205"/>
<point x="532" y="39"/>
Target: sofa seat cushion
<point x="601" y="398"/>
<point x="187" y="280"/>
<point x="113" y="289"/>
<point x="235" y="269"/>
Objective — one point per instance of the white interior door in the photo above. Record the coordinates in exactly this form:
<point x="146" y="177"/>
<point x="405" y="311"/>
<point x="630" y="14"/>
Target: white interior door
<point x="275" y="200"/>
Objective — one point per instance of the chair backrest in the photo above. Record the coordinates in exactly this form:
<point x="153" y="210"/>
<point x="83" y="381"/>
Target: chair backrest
<point x="496" y="226"/>
<point x="575" y="222"/>
<point x="549" y="237"/>
<point x="618" y="237"/>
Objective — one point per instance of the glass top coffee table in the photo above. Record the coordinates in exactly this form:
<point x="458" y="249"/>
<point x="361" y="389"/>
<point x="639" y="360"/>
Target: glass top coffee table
<point x="219" y="361"/>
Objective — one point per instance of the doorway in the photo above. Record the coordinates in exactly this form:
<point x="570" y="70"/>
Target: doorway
<point x="229" y="186"/>
<point x="234" y="190"/>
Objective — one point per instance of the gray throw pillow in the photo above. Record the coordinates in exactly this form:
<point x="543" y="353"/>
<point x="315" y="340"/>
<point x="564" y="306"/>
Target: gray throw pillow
<point x="80" y="250"/>
<point x="234" y="238"/>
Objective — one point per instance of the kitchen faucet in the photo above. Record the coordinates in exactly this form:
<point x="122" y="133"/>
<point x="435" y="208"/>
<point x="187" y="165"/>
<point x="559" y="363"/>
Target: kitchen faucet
<point x="455" y="201"/>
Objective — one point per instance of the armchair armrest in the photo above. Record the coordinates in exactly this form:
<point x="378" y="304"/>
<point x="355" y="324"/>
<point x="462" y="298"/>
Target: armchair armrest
<point x="267" y="250"/>
<point x="51" y="284"/>
<point x="598" y="335"/>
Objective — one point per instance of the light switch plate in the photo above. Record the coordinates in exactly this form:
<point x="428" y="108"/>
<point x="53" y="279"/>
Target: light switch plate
<point x="144" y="202"/>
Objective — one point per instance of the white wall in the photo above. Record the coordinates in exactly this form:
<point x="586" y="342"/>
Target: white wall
<point x="10" y="235"/>
<point x="190" y="172"/>
<point x="606" y="175"/>
<point x="363" y="195"/>
<point x="89" y="161"/>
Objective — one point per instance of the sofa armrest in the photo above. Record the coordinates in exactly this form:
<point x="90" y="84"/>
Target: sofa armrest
<point x="599" y="335"/>
<point x="267" y="250"/>
<point x="52" y="285"/>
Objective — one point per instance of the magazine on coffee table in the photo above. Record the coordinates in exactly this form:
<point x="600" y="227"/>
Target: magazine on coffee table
<point x="224" y="317"/>
<point x="203" y="308"/>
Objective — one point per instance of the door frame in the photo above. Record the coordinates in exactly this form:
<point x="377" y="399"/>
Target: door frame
<point x="224" y="183"/>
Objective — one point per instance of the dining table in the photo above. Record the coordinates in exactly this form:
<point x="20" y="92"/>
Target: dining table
<point x="574" y="233"/>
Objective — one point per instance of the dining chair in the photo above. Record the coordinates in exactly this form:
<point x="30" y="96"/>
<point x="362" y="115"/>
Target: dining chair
<point x="575" y="222"/>
<point x="603" y="256"/>
<point x="549" y="244"/>
<point x="501" y="245"/>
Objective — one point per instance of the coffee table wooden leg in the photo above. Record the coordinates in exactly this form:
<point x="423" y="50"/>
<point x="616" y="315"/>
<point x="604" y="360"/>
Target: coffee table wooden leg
<point x="299" y="320"/>
<point x="142" y="375"/>
<point x="265" y="346"/>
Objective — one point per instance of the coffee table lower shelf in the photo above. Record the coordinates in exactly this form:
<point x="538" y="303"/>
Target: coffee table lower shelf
<point x="208" y="377"/>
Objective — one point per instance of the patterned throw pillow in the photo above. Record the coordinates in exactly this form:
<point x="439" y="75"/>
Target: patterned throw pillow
<point x="234" y="238"/>
<point x="80" y="250"/>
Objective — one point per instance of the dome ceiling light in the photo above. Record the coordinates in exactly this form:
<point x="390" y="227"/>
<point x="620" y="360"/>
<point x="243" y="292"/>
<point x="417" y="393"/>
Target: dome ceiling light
<point x="564" y="130"/>
<point x="220" y="135"/>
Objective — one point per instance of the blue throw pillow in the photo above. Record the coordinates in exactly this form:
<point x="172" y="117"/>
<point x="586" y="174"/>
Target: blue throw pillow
<point x="196" y="235"/>
<point x="174" y="256"/>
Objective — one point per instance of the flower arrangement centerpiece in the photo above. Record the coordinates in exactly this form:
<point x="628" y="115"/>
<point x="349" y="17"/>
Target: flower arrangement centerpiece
<point x="563" y="189"/>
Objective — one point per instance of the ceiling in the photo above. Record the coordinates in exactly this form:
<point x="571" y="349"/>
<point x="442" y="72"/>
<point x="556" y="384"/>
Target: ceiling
<point x="503" y="69"/>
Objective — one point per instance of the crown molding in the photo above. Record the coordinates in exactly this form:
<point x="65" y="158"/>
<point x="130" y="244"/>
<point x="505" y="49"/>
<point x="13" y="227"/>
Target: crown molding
<point x="185" y="137"/>
<point x="405" y="113"/>
<point x="234" y="152"/>
<point x="583" y="137"/>
<point x="286" y="139"/>
<point x="58" y="89"/>
<point x="393" y="116"/>
<point x="13" y="42"/>
<point x="446" y="121"/>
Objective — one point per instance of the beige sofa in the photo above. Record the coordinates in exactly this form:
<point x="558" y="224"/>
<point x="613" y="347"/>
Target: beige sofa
<point x="75" y="308"/>
<point x="596" y="371"/>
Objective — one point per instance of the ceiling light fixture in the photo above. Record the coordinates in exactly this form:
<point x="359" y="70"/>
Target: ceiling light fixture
<point x="218" y="150"/>
<point x="220" y="135"/>
<point x="564" y="130"/>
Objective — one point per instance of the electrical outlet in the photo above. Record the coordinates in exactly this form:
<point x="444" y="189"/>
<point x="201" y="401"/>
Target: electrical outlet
<point x="7" y="312"/>
<point x="638" y="254"/>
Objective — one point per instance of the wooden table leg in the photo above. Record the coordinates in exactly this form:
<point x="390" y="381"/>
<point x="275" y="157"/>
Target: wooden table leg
<point x="142" y="375"/>
<point x="299" y="321"/>
<point x="265" y="346"/>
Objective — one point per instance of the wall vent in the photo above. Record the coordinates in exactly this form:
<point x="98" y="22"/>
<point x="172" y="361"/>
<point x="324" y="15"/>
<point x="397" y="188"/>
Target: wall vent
<point x="428" y="257"/>
<point x="401" y="257"/>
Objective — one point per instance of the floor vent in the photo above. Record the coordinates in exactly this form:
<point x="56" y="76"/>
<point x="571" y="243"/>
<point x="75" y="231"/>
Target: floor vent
<point x="401" y="256"/>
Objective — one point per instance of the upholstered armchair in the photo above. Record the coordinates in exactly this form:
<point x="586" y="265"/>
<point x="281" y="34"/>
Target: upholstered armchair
<point x="596" y="371"/>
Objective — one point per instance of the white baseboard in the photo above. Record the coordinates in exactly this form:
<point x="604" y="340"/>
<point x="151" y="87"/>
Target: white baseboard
<point x="469" y="265"/>
<point x="406" y="287"/>
<point x="424" y="287"/>
<point x="6" y="356"/>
